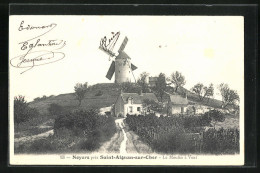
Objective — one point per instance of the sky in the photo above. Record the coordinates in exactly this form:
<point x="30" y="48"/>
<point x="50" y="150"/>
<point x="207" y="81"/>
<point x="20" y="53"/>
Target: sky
<point x="206" y="49"/>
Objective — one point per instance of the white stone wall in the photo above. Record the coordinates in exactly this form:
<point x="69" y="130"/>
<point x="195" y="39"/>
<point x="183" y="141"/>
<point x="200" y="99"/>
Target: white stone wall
<point x="134" y="109"/>
<point x="177" y="109"/>
<point x="201" y="109"/>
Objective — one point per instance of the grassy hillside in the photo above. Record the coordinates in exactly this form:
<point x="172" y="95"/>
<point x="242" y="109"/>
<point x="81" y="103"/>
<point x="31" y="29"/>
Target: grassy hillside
<point x="193" y="97"/>
<point x="97" y="96"/>
<point x="104" y="95"/>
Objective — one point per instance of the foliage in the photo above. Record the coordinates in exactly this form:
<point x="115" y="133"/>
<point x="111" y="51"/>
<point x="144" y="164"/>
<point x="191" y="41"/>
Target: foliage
<point x="208" y="91"/>
<point x="229" y="97"/>
<point x="215" y="116"/>
<point x="22" y="111"/>
<point x="183" y="134"/>
<point x="142" y="81"/>
<point x="99" y="93"/>
<point x="160" y="86"/>
<point x="41" y="145"/>
<point x="222" y="141"/>
<point x="80" y="91"/>
<point x="73" y="131"/>
<point x="55" y="109"/>
<point x="152" y="105"/>
<point x="203" y="91"/>
<point x="94" y="128"/>
<point x="44" y="97"/>
<point x="178" y="80"/>
<point x="129" y="87"/>
<point x="163" y="134"/>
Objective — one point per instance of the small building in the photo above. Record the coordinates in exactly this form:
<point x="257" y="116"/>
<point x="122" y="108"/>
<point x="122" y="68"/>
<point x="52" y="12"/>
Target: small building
<point x="177" y="104"/>
<point x="131" y="103"/>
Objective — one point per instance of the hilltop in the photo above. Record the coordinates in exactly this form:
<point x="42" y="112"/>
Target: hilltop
<point x="97" y="96"/>
<point x="104" y="95"/>
<point x="194" y="98"/>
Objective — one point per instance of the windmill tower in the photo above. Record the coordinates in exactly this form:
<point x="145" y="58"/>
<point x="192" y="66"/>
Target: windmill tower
<point x="121" y="64"/>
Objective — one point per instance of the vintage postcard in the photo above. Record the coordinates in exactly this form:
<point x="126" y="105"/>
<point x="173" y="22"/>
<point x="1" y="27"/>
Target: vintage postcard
<point x="126" y="90"/>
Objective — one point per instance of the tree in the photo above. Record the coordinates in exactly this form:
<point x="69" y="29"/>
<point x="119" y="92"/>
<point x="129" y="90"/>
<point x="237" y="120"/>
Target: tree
<point x="216" y="116"/>
<point x="203" y="91"/>
<point x="80" y="91"/>
<point x="142" y="81"/>
<point x="178" y="80"/>
<point x="22" y="111"/>
<point x="197" y="89"/>
<point x="160" y="86"/>
<point x="208" y="91"/>
<point x="229" y="97"/>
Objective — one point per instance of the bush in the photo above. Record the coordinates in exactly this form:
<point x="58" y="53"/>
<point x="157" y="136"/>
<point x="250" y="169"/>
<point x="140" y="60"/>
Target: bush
<point x="55" y="109"/>
<point x="99" y="93"/>
<point x="129" y="87"/>
<point x="215" y="116"/>
<point x="163" y="134"/>
<point x="183" y="134"/>
<point x="44" y="97"/>
<point x="89" y="125"/>
<point x="41" y="145"/>
<point x="22" y="111"/>
<point x="222" y="141"/>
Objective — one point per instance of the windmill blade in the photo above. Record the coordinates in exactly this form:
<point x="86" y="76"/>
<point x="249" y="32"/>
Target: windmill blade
<point x="109" y="52"/>
<point x="122" y="47"/>
<point x="133" y="67"/>
<point x="111" y="71"/>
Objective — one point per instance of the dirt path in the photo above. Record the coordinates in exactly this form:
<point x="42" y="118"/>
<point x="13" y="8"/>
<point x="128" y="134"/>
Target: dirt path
<point x="34" y="137"/>
<point x="121" y="125"/>
<point x="124" y="141"/>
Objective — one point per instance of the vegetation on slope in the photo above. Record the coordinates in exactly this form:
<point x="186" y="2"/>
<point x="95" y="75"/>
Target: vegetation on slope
<point x="73" y="131"/>
<point x="184" y="134"/>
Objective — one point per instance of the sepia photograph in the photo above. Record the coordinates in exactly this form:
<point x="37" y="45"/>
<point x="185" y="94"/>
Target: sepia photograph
<point x="126" y="90"/>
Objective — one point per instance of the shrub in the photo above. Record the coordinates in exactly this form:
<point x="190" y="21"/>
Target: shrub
<point x="163" y="134"/>
<point x="129" y="87"/>
<point x="22" y="111"/>
<point x="205" y="120"/>
<point x="41" y="145"/>
<point x="183" y="134"/>
<point x="55" y="109"/>
<point x="44" y="97"/>
<point x="215" y="116"/>
<point x="99" y="93"/>
<point x="222" y="141"/>
<point x="86" y="124"/>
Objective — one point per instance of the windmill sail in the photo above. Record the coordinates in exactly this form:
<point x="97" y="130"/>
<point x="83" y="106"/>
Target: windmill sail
<point x="109" y="52"/>
<point x="122" y="47"/>
<point x="133" y="67"/>
<point x="111" y="70"/>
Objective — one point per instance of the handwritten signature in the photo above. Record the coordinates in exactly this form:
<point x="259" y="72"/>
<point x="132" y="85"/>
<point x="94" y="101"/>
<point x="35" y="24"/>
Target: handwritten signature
<point x="38" y="51"/>
<point x="108" y="45"/>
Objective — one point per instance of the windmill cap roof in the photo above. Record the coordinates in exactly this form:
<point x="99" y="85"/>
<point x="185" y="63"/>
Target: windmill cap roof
<point x="122" y="55"/>
<point x="138" y="99"/>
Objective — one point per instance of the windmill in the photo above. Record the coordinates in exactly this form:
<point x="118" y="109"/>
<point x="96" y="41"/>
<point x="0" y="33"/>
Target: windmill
<point x="121" y="64"/>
